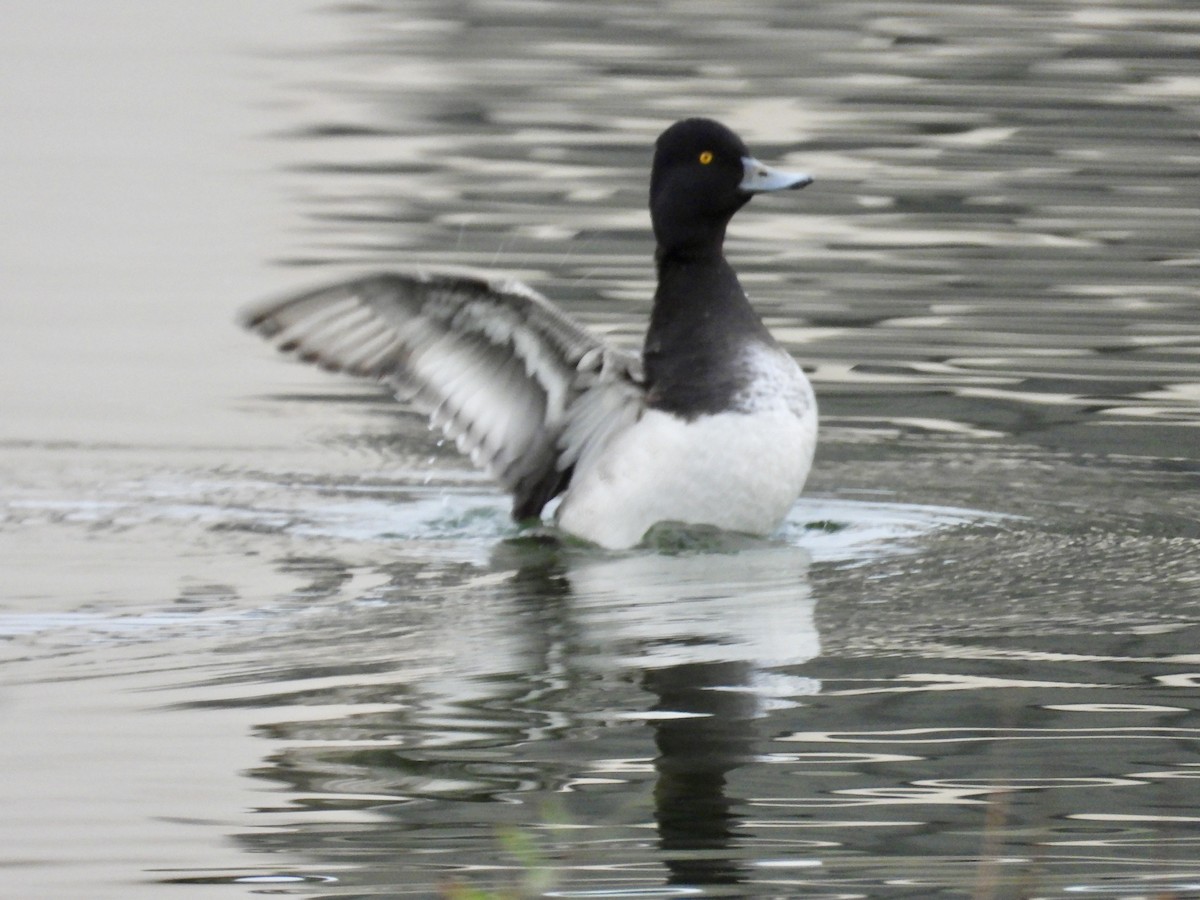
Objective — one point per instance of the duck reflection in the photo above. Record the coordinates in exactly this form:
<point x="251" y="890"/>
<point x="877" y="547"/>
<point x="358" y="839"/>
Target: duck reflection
<point x="692" y="808"/>
<point x="705" y="631"/>
<point x="465" y="688"/>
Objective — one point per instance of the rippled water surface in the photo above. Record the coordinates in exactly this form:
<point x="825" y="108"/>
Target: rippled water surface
<point x="261" y="634"/>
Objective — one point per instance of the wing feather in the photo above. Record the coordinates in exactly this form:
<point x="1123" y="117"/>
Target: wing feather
<point x="523" y="389"/>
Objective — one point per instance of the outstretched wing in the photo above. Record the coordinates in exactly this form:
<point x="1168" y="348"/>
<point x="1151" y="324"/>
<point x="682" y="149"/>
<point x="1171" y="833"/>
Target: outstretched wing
<point x="495" y="365"/>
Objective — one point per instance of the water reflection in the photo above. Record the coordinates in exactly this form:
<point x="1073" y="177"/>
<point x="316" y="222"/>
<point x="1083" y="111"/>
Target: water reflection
<point x="705" y="631"/>
<point x="677" y="658"/>
<point x="706" y="732"/>
<point x="580" y="699"/>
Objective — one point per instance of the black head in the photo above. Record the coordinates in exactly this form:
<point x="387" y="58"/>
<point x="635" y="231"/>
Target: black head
<point x="703" y="173"/>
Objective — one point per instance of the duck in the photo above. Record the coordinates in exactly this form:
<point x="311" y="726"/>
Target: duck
<point x="713" y="425"/>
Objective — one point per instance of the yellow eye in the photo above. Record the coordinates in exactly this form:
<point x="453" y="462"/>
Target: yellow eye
<point x="705" y="158"/>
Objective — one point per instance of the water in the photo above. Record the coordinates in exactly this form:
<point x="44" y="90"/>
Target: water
<point x="264" y="635"/>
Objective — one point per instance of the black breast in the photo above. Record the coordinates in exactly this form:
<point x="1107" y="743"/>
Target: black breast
<point x="695" y="351"/>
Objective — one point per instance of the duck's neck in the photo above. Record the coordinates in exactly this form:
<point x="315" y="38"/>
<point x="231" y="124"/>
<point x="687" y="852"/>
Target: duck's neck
<point x="693" y="284"/>
<point x="695" y="345"/>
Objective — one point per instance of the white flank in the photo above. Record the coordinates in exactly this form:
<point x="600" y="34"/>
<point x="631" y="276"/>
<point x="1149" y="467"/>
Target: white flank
<point x="735" y="471"/>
